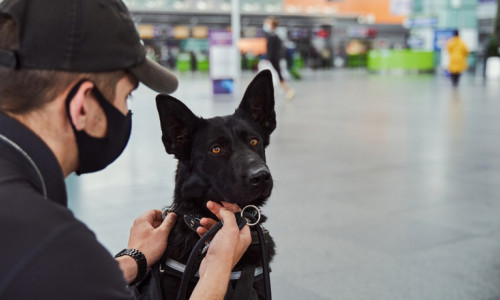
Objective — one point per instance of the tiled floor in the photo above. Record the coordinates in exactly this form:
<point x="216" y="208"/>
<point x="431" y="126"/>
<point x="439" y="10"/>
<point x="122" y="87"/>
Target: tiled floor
<point x="386" y="186"/>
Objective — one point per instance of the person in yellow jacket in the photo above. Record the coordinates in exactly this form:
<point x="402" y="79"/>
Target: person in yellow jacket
<point x="458" y="57"/>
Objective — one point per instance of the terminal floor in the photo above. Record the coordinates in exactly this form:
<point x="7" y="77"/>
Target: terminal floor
<point x="386" y="186"/>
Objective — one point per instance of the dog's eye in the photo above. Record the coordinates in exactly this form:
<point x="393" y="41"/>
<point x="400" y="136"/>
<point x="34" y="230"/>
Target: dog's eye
<point x="254" y="142"/>
<point x="216" y="149"/>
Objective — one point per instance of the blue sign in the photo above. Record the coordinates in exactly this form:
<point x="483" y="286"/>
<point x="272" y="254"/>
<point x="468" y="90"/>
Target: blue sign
<point x="223" y="86"/>
<point x="441" y="37"/>
<point x="423" y="22"/>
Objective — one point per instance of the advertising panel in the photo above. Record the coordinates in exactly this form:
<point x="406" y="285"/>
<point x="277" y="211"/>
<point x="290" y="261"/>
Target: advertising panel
<point x="401" y="7"/>
<point x="200" y="32"/>
<point x="182" y="32"/>
<point x="222" y="61"/>
<point x="486" y="9"/>
<point x="146" y="31"/>
<point x="384" y="11"/>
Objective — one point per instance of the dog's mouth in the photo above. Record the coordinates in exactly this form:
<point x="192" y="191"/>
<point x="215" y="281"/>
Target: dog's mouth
<point x="252" y="188"/>
<point x="242" y="198"/>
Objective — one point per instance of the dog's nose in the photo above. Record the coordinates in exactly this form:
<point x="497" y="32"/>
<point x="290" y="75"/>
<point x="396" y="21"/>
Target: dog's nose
<point x="260" y="177"/>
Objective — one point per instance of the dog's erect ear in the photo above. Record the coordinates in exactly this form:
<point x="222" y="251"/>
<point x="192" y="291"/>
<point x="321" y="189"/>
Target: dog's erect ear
<point x="258" y="102"/>
<point x="178" y="125"/>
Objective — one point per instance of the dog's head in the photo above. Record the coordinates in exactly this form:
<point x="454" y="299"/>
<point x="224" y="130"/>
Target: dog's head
<point x="222" y="158"/>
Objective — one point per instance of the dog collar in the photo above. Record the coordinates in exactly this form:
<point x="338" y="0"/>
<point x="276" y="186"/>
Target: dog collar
<point x="166" y="210"/>
<point x="193" y="222"/>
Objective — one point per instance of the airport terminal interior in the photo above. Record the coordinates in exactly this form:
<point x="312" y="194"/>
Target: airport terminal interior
<point x="386" y="186"/>
<point x="386" y="176"/>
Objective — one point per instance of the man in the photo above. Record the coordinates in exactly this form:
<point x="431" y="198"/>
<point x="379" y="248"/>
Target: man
<point x="458" y="57"/>
<point x="66" y="69"/>
<point x="274" y="47"/>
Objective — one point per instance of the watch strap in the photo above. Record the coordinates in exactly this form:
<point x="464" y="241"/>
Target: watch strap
<point x="140" y="259"/>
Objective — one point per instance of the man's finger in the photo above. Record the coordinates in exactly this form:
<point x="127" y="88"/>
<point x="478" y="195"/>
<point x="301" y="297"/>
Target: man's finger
<point x="152" y="217"/>
<point x="214" y="207"/>
<point x="245" y="235"/>
<point x="201" y="231"/>
<point x="158" y="214"/>
<point x="227" y="217"/>
<point x="208" y="222"/>
<point x="147" y="216"/>
<point x="169" y="222"/>
<point x="231" y="206"/>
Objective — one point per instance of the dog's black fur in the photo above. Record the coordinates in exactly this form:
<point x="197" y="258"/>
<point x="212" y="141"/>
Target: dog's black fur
<point x="219" y="159"/>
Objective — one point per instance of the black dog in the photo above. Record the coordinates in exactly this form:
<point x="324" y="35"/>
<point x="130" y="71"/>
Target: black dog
<point x="219" y="159"/>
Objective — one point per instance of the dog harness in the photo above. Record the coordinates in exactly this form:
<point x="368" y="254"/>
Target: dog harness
<point x="193" y="221"/>
<point x="249" y="215"/>
<point x="179" y="267"/>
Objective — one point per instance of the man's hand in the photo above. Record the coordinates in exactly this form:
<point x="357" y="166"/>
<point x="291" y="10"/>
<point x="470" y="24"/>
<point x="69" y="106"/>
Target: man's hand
<point x="148" y="234"/>
<point x="225" y="250"/>
<point x="214" y="207"/>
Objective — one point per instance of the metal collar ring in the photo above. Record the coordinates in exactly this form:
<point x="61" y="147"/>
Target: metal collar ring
<point x="258" y="214"/>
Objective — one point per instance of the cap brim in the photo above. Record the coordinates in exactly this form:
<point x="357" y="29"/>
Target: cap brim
<point x="155" y="76"/>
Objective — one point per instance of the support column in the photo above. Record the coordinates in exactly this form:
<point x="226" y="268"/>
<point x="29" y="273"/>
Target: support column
<point x="236" y="29"/>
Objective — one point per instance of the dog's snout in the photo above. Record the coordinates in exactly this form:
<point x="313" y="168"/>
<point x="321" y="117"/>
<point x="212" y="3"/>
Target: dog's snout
<point x="260" y="177"/>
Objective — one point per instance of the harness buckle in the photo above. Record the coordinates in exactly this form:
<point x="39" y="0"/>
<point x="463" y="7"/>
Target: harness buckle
<point x="166" y="210"/>
<point x="205" y="249"/>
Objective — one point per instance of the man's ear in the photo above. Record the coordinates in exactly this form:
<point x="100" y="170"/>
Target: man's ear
<point x="178" y="125"/>
<point x="258" y="103"/>
<point x="78" y="111"/>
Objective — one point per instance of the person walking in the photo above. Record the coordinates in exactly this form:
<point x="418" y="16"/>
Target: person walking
<point x="274" y="48"/>
<point x="458" y="53"/>
<point x="67" y="68"/>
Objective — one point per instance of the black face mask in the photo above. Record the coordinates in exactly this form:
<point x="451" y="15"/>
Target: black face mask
<point x="96" y="153"/>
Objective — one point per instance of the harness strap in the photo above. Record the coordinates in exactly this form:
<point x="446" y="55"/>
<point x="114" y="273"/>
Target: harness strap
<point x="236" y="275"/>
<point x="188" y="272"/>
<point x="265" y="263"/>
<point x="240" y="219"/>
<point x="255" y="236"/>
<point x="244" y="286"/>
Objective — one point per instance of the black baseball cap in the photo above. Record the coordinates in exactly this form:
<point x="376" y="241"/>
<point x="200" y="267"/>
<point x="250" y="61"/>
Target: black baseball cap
<point x="81" y="36"/>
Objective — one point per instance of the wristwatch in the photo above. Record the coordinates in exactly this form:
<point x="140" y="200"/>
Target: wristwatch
<point x="140" y="259"/>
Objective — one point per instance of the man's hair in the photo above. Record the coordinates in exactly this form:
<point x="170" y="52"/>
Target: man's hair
<point x="25" y="90"/>
<point x="456" y="32"/>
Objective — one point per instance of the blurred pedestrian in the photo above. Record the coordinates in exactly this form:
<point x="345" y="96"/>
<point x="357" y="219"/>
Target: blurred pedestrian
<point x="193" y="61"/>
<point x="458" y="57"/>
<point x="274" y="49"/>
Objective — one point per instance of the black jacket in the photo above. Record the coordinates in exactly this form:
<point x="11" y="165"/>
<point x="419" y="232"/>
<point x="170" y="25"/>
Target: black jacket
<point x="45" y="252"/>
<point x="274" y="48"/>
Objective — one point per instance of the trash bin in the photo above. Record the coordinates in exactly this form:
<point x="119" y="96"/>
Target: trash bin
<point x="493" y="68"/>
